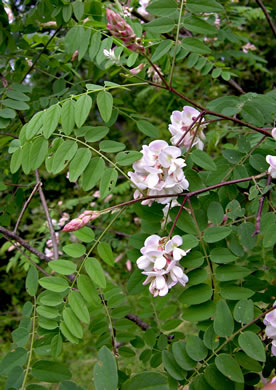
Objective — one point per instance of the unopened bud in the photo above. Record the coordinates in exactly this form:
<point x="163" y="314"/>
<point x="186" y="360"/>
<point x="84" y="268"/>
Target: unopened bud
<point x="137" y="69"/>
<point x="73" y="225"/>
<point x="119" y="28"/>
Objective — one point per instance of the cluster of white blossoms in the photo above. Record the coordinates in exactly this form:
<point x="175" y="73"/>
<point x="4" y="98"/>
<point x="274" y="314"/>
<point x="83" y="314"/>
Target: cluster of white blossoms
<point x="271" y="160"/>
<point x="160" y="262"/>
<point x="180" y="126"/>
<point x="270" y="330"/>
<point x="159" y="172"/>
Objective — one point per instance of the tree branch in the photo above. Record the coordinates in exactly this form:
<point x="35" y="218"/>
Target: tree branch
<point x="49" y="220"/>
<point x="260" y="209"/>
<point x="40" y="54"/>
<point x="143" y="325"/>
<point x="26" y="205"/>
<point x="28" y="257"/>
<point x="268" y="18"/>
<point x="185" y="194"/>
<point x="24" y="243"/>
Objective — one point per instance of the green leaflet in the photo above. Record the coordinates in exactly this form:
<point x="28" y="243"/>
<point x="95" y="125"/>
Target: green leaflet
<point x="105" y="371"/>
<point x="223" y="322"/>
<point x="68" y="117"/>
<point x="79" y="163"/>
<point x="95" y="271"/>
<point x="105" y="104"/>
<point x="32" y="281"/>
<point x="63" y="267"/>
<point x="105" y="253"/>
<point x="49" y="371"/>
<point x="63" y="155"/>
<point x="82" y="109"/>
<point x="50" y="120"/>
<point x="78" y="306"/>
<point x="108" y="181"/>
<point x="72" y="322"/>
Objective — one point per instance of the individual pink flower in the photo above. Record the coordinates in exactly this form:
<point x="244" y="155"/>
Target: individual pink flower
<point x="180" y="124"/>
<point x="271" y="160"/>
<point x="172" y="248"/>
<point x="158" y="284"/>
<point x="138" y="69"/>
<point x="274" y="133"/>
<point x="142" y="9"/>
<point x="154" y="75"/>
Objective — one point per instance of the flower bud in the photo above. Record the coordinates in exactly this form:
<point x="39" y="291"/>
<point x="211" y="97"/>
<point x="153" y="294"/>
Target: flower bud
<point x="137" y="69"/>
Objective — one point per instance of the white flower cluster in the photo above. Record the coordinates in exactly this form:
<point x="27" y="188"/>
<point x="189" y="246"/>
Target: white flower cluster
<point x="180" y="124"/>
<point x="159" y="172"/>
<point x="271" y="160"/>
<point x="270" y="330"/>
<point x="160" y="262"/>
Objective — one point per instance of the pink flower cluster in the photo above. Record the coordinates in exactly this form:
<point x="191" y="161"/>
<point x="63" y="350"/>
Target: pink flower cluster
<point x="160" y="262"/>
<point x="270" y="330"/>
<point x="82" y="220"/>
<point x="159" y="172"/>
<point x="119" y="28"/>
<point x="180" y="124"/>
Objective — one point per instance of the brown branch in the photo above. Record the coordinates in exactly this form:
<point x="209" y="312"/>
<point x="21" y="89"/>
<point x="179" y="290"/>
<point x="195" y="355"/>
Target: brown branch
<point x="209" y="112"/>
<point x="24" y="243"/>
<point x="25" y="206"/>
<point x="40" y="54"/>
<point x="236" y="86"/>
<point x="28" y="257"/>
<point x="260" y="209"/>
<point x="177" y="216"/>
<point x="47" y="214"/>
<point x="268" y="18"/>
<point x="189" y="128"/>
<point x="187" y="194"/>
<point x="143" y="325"/>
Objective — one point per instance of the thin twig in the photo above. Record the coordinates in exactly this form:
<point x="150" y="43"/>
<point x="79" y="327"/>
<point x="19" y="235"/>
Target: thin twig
<point x="143" y="325"/>
<point x="235" y="85"/>
<point x="177" y="216"/>
<point x="47" y="214"/>
<point x="189" y="128"/>
<point x="194" y="136"/>
<point x="268" y="18"/>
<point x="26" y="205"/>
<point x="176" y="43"/>
<point x="110" y="230"/>
<point x="185" y="194"/>
<point x="259" y="213"/>
<point x="40" y="54"/>
<point x="28" y="257"/>
<point x="24" y="243"/>
<point x="204" y="249"/>
<point x="209" y="112"/>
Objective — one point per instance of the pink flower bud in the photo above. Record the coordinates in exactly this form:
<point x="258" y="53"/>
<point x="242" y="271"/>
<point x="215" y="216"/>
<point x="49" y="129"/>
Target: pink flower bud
<point x="119" y="28"/>
<point x="73" y="225"/>
<point x="137" y="69"/>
